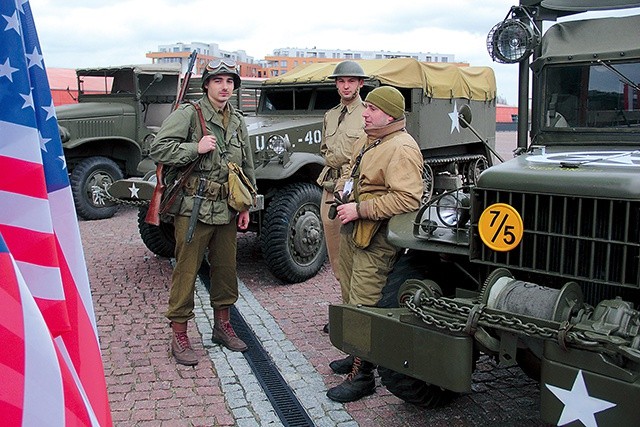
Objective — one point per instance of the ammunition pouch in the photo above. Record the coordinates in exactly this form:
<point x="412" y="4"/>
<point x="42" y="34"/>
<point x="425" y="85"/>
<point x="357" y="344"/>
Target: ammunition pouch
<point x="364" y="229"/>
<point x="213" y="190"/>
<point x="363" y="232"/>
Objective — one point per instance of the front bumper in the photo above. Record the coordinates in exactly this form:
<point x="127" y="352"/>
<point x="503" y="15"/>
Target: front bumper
<point x="398" y="340"/>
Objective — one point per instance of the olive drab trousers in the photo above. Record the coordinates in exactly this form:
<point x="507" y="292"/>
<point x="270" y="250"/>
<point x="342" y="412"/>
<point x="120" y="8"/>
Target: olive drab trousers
<point x="363" y="272"/>
<point x="221" y="240"/>
<point x="331" y="229"/>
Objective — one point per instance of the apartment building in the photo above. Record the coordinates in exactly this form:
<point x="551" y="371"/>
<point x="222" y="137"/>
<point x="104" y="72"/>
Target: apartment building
<point x="282" y="60"/>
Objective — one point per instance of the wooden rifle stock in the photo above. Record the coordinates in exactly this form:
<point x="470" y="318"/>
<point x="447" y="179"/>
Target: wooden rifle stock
<point x="153" y="213"/>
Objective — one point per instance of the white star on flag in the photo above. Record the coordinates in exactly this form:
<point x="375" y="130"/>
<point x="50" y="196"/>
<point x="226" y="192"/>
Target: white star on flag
<point x="578" y="405"/>
<point x="455" y="121"/>
<point x="134" y="190"/>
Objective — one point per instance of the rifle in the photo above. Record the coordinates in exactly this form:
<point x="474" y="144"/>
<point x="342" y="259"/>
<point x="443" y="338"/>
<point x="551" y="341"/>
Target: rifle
<point x="153" y="213"/>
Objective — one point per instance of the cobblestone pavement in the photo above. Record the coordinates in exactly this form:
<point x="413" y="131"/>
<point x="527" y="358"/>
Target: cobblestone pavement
<point x="146" y="388"/>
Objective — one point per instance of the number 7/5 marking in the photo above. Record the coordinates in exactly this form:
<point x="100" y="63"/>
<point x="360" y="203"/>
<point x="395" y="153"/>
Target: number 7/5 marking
<point x="500" y="227"/>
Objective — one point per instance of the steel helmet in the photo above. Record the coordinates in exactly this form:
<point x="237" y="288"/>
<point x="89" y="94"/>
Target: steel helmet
<point x="348" y="69"/>
<point x="222" y="66"/>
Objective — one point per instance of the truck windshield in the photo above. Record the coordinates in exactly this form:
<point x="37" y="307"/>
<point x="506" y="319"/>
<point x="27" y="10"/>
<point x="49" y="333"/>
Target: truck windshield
<point x="592" y="96"/>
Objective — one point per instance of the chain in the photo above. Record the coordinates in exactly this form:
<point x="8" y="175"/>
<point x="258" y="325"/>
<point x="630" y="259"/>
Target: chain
<point x="505" y="322"/>
<point x="100" y="195"/>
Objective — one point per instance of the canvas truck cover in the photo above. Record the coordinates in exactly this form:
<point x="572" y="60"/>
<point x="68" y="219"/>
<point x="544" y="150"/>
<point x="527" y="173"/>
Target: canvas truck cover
<point x="581" y="40"/>
<point x="442" y="81"/>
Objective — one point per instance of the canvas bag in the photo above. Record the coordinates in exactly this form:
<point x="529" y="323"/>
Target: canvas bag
<point x="242" y="194"/>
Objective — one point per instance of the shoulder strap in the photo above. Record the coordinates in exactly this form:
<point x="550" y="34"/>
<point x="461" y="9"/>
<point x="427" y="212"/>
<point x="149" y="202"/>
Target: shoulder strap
<point x="200" y="116"/>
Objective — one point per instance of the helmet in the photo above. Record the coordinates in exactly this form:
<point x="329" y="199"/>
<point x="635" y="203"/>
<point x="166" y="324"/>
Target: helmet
<point x="221" y="66"/>
<point x="348" y="69"/>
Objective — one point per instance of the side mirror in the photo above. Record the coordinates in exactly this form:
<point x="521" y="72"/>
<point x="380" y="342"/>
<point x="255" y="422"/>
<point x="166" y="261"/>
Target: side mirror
<point x="464" y="115"/>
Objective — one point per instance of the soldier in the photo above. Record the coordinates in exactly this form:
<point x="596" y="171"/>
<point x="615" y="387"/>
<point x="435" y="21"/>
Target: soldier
<point x="384" y="179"/>
<point x="342" y="126"/>
<point x="202" y="217"/>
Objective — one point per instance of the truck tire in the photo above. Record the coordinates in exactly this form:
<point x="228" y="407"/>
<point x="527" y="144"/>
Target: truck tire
<point x="94" y="172"/>
<point x="414" y="391"/>
<point x="158" y="239"/>
<point x="292" y="238"/>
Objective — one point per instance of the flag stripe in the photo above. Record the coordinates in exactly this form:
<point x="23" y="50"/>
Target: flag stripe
<point x="23" y="240"/>
<point x="25" y="212"/>
<point x="17" y="142"/>
<point x="23" y="183"/>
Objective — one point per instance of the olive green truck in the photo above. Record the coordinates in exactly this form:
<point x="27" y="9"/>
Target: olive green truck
<point x="535" y="263"/>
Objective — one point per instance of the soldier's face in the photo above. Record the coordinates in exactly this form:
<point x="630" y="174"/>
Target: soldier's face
<point x="219" y="89"/>
<point x="348" y="87"/>
<point x="375" y="117"/>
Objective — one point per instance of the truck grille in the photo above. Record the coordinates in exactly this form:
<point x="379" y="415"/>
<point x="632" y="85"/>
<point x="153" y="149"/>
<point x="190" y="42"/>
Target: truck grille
<point x="95" y="128"/>
<point x="593" y="241"/>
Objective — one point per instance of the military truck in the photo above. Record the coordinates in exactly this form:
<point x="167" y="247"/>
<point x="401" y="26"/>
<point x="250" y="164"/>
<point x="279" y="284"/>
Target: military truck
<point x="106" y="134"/>
<point x="286" y="133"/>
<point x="537" y="263"/>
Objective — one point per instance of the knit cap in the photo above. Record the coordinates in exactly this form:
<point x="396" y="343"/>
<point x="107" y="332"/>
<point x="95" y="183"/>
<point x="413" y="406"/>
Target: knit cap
<point x="388" y="99"/>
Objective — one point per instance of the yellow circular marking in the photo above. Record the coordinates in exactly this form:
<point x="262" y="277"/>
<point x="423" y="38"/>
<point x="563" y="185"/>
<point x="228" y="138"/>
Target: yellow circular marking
<point x="500" y="227"/>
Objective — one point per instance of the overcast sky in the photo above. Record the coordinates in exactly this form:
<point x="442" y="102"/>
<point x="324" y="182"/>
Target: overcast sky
<point x="87" y="33"/>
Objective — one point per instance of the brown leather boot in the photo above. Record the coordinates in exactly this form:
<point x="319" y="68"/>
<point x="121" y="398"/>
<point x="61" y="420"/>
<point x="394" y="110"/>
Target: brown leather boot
<point x="223" y="332"/>
<point x="181" y="347"/>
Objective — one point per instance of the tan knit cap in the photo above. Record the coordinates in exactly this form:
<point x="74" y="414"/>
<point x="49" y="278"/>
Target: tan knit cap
<point x="388" y="99"/>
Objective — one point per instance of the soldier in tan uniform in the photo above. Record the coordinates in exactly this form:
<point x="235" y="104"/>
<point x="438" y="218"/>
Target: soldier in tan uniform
<point x="342" y="126"/>
<point x="202" y="217"/>
<point x="384" y="179"/>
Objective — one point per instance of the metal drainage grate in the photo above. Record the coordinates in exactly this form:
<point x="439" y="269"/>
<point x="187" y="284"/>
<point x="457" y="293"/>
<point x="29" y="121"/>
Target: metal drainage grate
<point x="281" y="396"/>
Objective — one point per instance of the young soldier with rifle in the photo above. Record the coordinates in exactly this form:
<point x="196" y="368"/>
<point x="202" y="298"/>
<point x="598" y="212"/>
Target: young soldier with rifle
<point x="210" y="132"/>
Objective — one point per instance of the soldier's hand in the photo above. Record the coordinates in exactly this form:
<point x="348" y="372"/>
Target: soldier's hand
<point x="207" y="143"/>
<point x="243" y="220"/>
<point x="347" y="212"/>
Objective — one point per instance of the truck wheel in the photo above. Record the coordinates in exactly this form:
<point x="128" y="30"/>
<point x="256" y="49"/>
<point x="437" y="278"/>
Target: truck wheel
<point x="292" y="238"/>
<point x="89" y="174"/>
<point x="414" y="391"/>
<point x="158" y="239"/>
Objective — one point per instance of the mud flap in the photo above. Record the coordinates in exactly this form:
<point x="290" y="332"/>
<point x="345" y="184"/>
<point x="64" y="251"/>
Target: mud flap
<point x="584" y="385"/>
<point x="398" y="340"/>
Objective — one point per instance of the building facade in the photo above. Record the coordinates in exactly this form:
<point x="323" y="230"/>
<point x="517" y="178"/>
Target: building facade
<point x="282" y="60"/>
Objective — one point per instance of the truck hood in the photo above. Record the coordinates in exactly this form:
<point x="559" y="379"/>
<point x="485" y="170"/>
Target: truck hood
<point x="611" y="174"/>
<point x="273" y="124"/>
<point x="93" y="109"/>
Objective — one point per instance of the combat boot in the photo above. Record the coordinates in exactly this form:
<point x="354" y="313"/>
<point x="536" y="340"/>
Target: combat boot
<point x="342" y="366"/>
<point x="223" y="332"/>
<point x="359" y="383"/>
<point x="181" y="349"/>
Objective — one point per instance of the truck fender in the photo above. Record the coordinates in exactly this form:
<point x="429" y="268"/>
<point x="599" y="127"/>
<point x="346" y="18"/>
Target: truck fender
<point x="277" y="171"/>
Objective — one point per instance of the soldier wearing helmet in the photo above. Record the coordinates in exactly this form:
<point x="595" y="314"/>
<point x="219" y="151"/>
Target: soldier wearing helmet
<point x="342" y="126"/>
<point x="211" y="132"/>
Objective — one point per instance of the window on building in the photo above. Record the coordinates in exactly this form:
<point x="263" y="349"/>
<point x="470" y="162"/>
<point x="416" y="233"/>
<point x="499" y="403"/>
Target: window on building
<point x="445" y="59"/>
<point x="428" y="59"/>
<point x="283" y="64"/>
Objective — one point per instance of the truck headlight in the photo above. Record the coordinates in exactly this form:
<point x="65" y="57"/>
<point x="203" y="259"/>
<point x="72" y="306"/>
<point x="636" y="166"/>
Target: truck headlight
<point x="453" y="209"/>
<point x="512" y="40"/>
<point x="278" y="144"/>
<point x="65" y="135"/>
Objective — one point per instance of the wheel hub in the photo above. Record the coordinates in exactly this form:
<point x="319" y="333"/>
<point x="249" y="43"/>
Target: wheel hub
<point x="307" y="235"/>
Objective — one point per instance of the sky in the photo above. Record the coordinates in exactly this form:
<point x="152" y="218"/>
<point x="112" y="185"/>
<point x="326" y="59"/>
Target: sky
<point x="89" y="33"/>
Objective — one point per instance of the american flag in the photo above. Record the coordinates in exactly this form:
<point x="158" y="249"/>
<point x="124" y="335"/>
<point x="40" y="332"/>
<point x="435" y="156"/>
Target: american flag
<point x="41" y="236"/>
